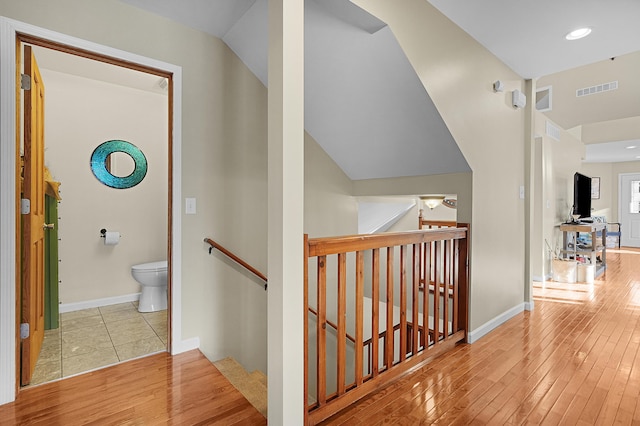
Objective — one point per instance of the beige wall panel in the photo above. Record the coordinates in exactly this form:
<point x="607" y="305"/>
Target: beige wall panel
<point x="80" y="115"/>
<point x="458" y="74"/>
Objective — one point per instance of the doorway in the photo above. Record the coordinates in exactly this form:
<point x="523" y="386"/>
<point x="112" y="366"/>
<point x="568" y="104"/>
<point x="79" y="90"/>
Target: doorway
<point x="10" y="30"/>
<point x="98" y="323"/>
<point x="629" y="209"/>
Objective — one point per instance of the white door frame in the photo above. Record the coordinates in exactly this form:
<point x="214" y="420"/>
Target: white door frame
<point x="8" y="32"/>
<point x="620" y="206"/>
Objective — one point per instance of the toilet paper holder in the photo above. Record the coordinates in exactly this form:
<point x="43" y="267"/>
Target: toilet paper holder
<point x="103" y="233"/>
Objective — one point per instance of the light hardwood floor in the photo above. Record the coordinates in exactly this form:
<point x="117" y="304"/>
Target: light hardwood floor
<point x="157" y="390"/>
<point x="572" y="360"/>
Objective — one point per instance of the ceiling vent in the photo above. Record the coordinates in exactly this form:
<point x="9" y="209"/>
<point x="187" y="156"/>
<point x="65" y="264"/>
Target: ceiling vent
<point x="605" y="87"/>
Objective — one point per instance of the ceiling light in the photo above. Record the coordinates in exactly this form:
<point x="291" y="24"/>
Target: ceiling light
<point x="432" y="201"/>
<point x="631" y="147"/>
<point x="578" y="34"/>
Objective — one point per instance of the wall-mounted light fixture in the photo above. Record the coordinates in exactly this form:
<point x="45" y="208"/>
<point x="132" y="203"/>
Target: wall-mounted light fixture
<point x="432" y="201"/>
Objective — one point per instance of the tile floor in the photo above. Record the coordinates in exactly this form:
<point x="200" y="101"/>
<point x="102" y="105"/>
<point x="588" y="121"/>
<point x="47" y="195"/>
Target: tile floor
<point x="97" y="337"/>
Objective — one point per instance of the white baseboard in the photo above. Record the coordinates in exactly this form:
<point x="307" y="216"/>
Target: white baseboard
<point x="475" y="335"/>
<point x="185" y="345"/>
<point x="541" y="279"/>
<point x="528" y="306"/>
<point x="96" y="303"/>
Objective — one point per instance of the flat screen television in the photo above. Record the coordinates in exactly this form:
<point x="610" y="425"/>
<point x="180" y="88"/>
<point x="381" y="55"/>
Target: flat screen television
<point x="581" y="195"/>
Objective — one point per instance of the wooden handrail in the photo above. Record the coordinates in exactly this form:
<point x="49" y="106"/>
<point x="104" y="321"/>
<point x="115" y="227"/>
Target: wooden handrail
<point x="334" y="245"/>
<point x="332" y="324"/>
<point x="236" y="259"/>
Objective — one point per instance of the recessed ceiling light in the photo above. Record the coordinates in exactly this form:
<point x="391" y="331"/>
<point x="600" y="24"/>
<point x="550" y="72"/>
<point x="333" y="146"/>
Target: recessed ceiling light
<point x="631" y="147"/>
<point x="579" y="33"/>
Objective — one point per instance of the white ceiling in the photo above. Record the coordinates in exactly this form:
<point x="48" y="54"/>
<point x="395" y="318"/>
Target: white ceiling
<point x="358" y="105"/>
<point x="528" y="36"/>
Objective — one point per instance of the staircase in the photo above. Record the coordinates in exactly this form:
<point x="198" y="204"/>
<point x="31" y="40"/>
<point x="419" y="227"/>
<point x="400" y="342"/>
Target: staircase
<point x="252" y="386"/>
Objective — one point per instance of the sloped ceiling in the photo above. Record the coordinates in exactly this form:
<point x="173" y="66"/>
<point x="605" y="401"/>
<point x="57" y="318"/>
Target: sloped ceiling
<point x="364" y="104"/>
<point x="527" y="36"/>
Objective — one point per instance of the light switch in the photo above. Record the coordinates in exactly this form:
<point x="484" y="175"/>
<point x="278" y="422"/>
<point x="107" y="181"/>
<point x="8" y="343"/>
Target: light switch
<point x="522" y="192"/>
<point x="190" y="206"/>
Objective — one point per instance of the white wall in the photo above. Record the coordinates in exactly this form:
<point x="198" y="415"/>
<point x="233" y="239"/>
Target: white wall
<point x="80" y="115"/>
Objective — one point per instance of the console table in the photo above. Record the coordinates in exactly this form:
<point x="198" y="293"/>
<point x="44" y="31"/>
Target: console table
<point x="595" y="254"/>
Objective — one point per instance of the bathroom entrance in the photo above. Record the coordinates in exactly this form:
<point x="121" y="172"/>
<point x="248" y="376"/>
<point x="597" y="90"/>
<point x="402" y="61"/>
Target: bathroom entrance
<point x="88" y="103"/>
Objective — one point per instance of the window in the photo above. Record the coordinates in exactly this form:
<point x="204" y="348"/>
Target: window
<point x="634" y="206"/>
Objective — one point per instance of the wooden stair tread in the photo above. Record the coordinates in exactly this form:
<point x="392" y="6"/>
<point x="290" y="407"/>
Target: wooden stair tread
<point x="251" y="385"/>
<point x="259" y="376"/>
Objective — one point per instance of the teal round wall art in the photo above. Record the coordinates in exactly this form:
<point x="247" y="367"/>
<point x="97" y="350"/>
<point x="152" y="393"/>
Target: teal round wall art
<point x="101" y="172"/>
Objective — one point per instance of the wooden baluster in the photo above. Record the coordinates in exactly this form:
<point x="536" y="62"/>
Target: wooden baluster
<point x="414" y="298"/>
<point x="342" y="322"/>
<point x="305" y="292"/>
<point x="447" y="277"/>
<point x="426" y="255"/>
<point x="389" y="349"/>
<point x="403" y="303"/>
<point x="375" y="307"/>
<point x="321" y="337"/>
<point x="436" y="291"/>
<point x="359" y="314"/>
<point x="456" y="308"/>
<point x="463" y="283"/>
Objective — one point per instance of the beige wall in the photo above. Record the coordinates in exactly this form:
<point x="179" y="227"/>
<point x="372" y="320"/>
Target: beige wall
<point x="329" y="207"/>
<point x="609" y="173"/>
<point x="555" y="161"/>
<point x="223" y="164"/>
<point x="608" y="188"/>
<point x="81" y="114"/>
<point x="454" y="183"/>
<point x="458" y="74"/>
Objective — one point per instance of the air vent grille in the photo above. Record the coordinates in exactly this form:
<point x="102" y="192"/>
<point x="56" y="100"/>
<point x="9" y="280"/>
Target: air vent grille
<point x="604" y="87"/>
<point x="552" y="131"/>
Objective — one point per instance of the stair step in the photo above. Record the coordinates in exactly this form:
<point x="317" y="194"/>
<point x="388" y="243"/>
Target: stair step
<point x="259" y="376"/>
<point x="251" y="386"/>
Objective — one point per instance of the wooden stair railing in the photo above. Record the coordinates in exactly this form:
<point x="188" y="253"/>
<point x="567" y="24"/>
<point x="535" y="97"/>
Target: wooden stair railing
<point x="421" y="324"/>
<point x="239" y="261"/>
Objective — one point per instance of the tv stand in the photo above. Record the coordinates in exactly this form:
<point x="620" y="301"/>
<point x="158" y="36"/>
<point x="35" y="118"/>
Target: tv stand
<point x="596" y="254"/>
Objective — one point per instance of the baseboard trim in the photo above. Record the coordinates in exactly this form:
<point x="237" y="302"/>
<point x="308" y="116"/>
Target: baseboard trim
<point x="541" y="279"/>
<point x="475" y="335"/>
<point x="96" y="303"/>
<point x="185" y="345"/>
<point x="528" y="306"/>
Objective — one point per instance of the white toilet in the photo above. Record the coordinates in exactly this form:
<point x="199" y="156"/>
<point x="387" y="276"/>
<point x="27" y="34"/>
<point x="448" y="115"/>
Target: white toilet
<point x="152" y="277"/>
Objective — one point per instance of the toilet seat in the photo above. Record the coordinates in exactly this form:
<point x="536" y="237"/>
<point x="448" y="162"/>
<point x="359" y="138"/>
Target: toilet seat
<point x="158" y="266"/>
